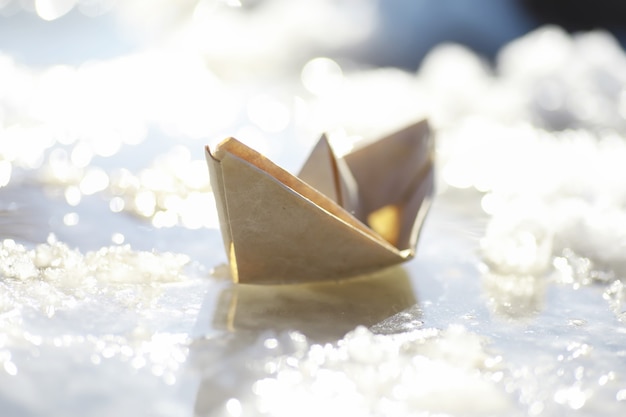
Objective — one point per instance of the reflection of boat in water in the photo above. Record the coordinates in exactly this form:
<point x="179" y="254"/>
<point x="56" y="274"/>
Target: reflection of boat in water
<point x="323" y="311"/>
<point x="341" y="218"/>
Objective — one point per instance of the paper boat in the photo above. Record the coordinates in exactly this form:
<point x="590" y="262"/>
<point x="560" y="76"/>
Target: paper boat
<point x="341" y="217"/>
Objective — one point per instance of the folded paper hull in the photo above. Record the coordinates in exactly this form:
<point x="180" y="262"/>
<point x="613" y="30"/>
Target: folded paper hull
<point x="278" y="229"/>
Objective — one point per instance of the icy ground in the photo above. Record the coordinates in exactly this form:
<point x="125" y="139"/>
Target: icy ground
<point x="114" y="298"/>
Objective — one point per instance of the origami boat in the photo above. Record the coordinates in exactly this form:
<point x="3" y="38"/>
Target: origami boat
<point x="341" y="217"/>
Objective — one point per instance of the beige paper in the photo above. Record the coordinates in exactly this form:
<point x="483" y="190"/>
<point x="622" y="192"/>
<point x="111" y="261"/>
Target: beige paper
<point x="341" y="218"/>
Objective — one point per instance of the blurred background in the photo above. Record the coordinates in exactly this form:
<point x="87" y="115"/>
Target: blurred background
<point x="385" y="33"/>
<point x="112" y="96"/>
